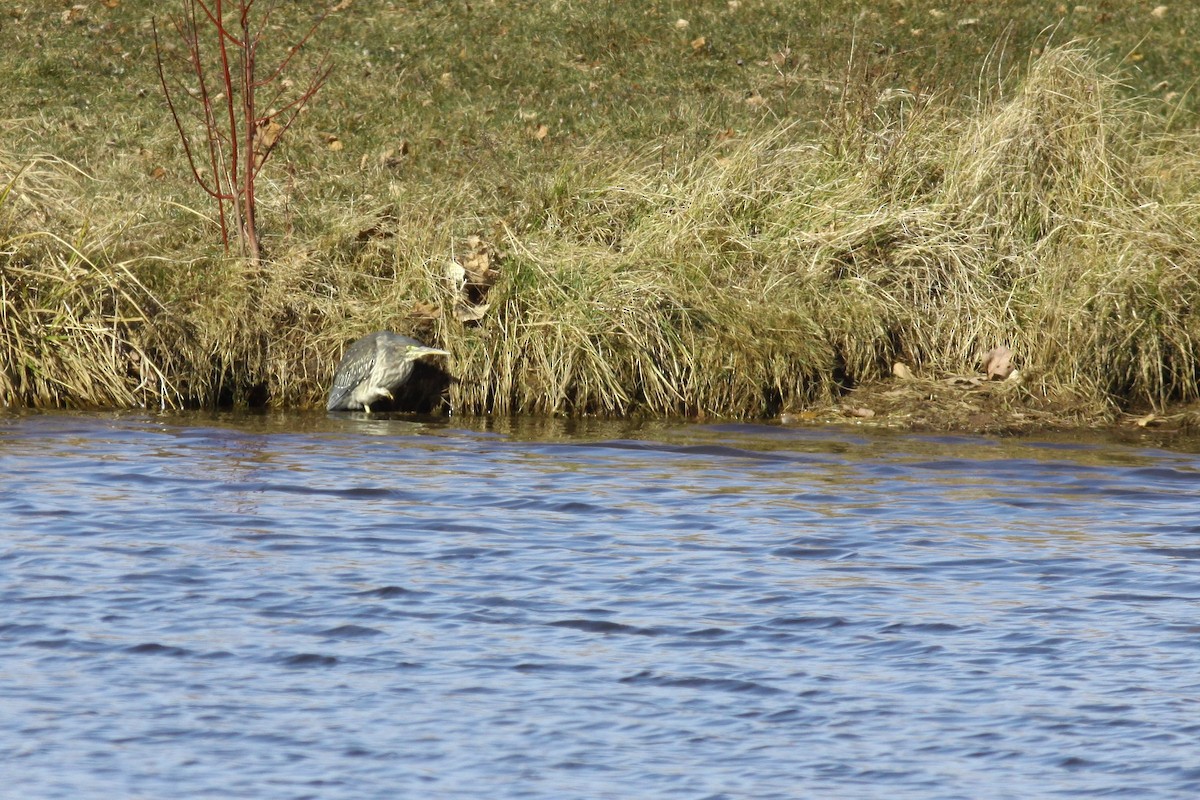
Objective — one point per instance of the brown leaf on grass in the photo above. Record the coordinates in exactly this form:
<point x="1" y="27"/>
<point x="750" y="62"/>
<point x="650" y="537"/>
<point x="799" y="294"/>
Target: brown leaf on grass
<point x="158" y="173"/>
<point x="478" y="263"/>
<point x="111" y="3"/>
<point x="1147" y="421"/>
<point x="860" y="413"/>
<point x="901" y="371"/>
<point x="699" y="43"/>
<point x="541" y="132"/>
<point x="425" y="311"/>
<point x="997" y="363"/>
<point x="473" y="273"/>
<point x="342" y="6"/>
<point x="265" y="137"/>
<point x="73" y="14"/>
<point x="393" y="156"/>
<point x="464" y="312"/>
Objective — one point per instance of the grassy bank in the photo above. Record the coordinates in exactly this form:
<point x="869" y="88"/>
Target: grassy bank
<point x="603" y="210"/>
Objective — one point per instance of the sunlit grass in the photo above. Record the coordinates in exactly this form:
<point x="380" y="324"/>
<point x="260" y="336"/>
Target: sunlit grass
<point x="734" y="216"/>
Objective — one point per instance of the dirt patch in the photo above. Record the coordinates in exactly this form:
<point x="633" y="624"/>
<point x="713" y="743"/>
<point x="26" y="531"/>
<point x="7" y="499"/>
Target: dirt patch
<point x="972" y="404"/>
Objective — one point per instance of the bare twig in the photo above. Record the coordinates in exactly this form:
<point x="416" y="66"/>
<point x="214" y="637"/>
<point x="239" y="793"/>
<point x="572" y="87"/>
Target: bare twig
<point x="237" y="147"/>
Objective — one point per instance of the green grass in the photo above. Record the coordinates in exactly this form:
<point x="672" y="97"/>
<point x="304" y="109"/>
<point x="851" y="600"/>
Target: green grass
<point x="732" y="226"/>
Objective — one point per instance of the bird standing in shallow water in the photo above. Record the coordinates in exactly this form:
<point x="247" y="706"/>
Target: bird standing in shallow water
<point x="373" y="368"/>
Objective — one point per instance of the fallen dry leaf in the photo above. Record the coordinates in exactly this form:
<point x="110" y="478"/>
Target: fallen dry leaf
<point x="997" y="363"/>
<point x="541" y="132"/>
<point x="392" y="156"/>
<point x="472" y="273"/>
<point x="1159" y="12"/>
<point x="1146" y="421"/>
<point x="425" y="311"/>
<point x="478" y="263"/>
<point x="861" y="413"/>
<point x="902" y="371"/>
<point x="681" y="24"/>
<point x="468" y="313"/>
<point x="265" y="137"/>
<point x="699" y="43"/>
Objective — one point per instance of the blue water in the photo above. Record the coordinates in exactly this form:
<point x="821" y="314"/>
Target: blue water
<point x="336" y="607"/>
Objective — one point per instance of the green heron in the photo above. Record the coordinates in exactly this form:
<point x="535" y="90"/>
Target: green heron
<point x="373" y="368"/>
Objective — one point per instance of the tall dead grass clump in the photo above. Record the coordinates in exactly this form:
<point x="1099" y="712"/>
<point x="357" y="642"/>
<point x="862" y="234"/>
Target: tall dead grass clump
<point x="786" y="267"/>
<point x="1095" y="252"/>
<point x="1031" y="221"/>
<point x="630" y="292"/>
<point x="67" y="318"/>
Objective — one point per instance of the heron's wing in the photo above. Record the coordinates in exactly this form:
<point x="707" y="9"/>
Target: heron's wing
<point x="354" y="367"/>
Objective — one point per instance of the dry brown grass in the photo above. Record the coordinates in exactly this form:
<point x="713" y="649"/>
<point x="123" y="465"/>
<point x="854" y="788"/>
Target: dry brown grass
<point x="763" y="272"/>
<point x="781" y="269"/>
<point x="68" y="315"/>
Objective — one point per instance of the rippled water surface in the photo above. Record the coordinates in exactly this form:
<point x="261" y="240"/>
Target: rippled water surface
<point x="338" y="607"/>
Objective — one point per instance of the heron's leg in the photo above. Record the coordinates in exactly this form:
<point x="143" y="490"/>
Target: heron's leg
<point x="367" y="407"/>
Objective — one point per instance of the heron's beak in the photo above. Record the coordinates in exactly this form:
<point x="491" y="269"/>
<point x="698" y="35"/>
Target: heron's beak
<point x="421" y="352"/>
